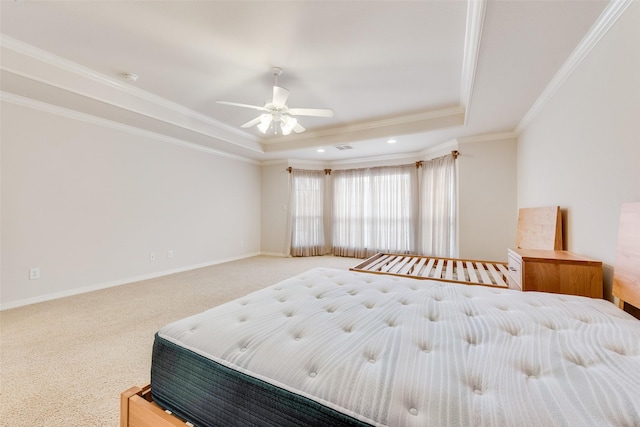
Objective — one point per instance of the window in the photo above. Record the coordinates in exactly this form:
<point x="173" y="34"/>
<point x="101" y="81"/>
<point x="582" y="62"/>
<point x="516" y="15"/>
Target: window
<point x="358" y="212"/>
<point x="307" y="213"/>
<point x="373" y="211"/>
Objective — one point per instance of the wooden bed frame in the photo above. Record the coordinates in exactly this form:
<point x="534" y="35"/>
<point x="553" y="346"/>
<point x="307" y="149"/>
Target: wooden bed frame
<point x="137" y="408"/>
<point x="467" y="271"/>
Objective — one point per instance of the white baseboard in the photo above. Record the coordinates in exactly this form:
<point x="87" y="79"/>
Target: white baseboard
<point x="281" y="255"/>
<point x="123" y="281"/>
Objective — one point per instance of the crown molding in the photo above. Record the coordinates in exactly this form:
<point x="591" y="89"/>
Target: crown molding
<point x="605" y="21"/>
<point x="497" y="136"/>
<point x="473" y="36"/>
<point x="87" y="118"/>
<point x="314" y="164"/>
<point x="371" y="125"/>
<point x="273" y="162"/>
<point x="439" y="150"/>
<point x="382" y="128"/>
<point x="92" y="84"/>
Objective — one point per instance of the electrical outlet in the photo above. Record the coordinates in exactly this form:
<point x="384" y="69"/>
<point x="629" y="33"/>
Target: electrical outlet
<point x="152" y="256"/>
<point x="34" y="273"/>
<point x="170" y="253"/>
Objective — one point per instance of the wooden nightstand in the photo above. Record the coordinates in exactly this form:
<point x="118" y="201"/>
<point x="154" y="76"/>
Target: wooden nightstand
<point x="554" y="271"/>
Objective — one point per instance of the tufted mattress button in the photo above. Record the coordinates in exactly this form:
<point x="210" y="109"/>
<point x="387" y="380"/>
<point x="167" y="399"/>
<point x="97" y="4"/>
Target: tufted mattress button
<point x="477" y="391"/>
<point x="413" y="411"/>
<point x="313" y="374"/>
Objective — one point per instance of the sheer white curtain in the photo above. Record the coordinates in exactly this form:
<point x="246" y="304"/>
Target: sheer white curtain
<point x="307" y="221"/>
<point x="374" y="211"/>
<point x="350" y="199"/>
<point x="438" y="208"/>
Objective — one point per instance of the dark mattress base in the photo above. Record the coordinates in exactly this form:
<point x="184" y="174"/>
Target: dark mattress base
<point x="207" y="393"/>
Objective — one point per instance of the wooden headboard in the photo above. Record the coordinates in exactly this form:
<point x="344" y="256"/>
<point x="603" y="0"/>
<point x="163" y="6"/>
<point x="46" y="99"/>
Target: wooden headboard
<point x="626" y="275"/>
<point x="540" y="228"/>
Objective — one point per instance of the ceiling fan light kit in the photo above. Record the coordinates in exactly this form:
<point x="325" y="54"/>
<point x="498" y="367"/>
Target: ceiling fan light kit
<point x="277" y="114"/>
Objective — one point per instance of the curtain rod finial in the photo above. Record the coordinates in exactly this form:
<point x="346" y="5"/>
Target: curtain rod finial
<point x="455" y="154"/>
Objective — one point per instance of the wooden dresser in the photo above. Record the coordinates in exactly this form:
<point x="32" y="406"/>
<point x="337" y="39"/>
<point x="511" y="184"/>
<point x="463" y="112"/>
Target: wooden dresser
<point x="554" y="271"/>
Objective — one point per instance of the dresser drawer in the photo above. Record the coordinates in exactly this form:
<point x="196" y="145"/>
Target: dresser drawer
<point x="515" y="272"/>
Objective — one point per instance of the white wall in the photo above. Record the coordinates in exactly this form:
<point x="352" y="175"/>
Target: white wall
<point x="88" y="203"/>
<point x="487" y="209"/>
<point x="582" y="151"/>
<point x="275" y="205"/>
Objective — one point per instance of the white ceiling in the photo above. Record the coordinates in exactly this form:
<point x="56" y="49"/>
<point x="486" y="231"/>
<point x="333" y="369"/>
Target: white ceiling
<point x="422" y="72"/>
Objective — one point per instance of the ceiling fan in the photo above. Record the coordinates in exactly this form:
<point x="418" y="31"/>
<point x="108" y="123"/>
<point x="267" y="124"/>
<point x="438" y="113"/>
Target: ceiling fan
<point x="277" y="112"/>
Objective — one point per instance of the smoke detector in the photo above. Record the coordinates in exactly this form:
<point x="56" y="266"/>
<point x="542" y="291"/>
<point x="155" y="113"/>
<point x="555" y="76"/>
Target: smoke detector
<point x="130" y="77"/>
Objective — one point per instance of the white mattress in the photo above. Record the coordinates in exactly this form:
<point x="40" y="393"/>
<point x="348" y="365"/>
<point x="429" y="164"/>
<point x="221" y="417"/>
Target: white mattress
<point x="404" y="352"/>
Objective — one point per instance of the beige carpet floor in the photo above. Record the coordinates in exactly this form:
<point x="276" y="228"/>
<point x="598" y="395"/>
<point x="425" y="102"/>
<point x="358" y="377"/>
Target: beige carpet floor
<point x="65" y="362"/>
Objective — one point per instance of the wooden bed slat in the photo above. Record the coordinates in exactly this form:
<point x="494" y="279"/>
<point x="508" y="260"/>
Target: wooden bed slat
<point x="449" y="271"/>
<point x="391" y="263"/>
<point x="483" y="273"/>
<point x="460" y="271"/>
<point x="439" y="265"/>
<point x="399" y="265"/>
<point x="408" y="265"/>
<point x="427" y="270"/>
<point x="472" y="272"/>
<point x="497" y="277"/>
<point x="503" y="269"/>
<point x="383" y="259"/>
<point x="416" y="270"/>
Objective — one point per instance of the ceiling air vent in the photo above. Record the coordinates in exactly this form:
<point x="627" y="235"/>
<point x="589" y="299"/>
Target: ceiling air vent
<point x="343" y="147"/>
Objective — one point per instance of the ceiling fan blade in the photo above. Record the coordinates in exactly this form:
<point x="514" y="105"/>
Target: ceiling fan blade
<point x="298" y="128"/>
<point x="318" y="112"/>
<point x="235" y="104"/>
<point x="252" y="122"/>
<point x="280" y="95"/>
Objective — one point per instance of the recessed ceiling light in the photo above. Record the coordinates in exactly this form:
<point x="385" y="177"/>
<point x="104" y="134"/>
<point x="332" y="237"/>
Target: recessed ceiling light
<point x="391" y="141"/>
<point x="320" y="150"/>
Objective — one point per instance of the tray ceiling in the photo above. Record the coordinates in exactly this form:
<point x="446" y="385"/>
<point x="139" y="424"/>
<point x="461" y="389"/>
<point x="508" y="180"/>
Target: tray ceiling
<point x="423" y="72"/>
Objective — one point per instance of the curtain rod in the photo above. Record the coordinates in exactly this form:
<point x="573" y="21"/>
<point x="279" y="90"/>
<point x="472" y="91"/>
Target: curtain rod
<point x="454" y="153"/>
<point x="326" y="171"/>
